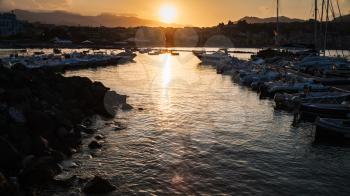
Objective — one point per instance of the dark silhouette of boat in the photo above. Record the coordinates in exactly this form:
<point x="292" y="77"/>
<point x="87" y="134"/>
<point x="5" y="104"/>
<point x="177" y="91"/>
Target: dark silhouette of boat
<point x="310" y="111"/>
<point x="332" y="130"/>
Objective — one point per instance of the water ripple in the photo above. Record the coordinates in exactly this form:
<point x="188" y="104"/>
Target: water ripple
<point x="200" y="134"/>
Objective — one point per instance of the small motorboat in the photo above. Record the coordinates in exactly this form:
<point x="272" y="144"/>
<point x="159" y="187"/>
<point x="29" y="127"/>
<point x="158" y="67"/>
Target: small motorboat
<point x="173" y="53"/>
<point x="289" y="102"/>
<point x="328" y="129"/>
<point x="270" y="89"/>
<point x="198" y="53"/>
<point x="216" y="58"/>
<point x="153" y="53"/>
<point x="310" y="111"/>
<point x="233" y="67"/>
<point x="144" y="50"/>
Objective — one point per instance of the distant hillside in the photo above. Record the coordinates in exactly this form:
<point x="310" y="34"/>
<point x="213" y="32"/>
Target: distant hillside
<point x="72" y="19"/>
<point x="283" y="19"/>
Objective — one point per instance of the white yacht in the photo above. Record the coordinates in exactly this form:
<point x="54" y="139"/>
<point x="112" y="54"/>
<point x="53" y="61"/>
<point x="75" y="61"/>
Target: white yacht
<point x="218" y="57"/>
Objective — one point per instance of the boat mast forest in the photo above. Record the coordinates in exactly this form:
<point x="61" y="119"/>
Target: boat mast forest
<point x="330" y="11"/>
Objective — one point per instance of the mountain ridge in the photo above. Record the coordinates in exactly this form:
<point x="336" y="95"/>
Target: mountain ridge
<point x="73" y="19"/>
<point x="113" y="20"/>
<point x="256" y="20"/>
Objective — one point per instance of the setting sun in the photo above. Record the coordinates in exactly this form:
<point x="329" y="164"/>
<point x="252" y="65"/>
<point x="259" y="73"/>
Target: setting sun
<point x="167" y="13"/>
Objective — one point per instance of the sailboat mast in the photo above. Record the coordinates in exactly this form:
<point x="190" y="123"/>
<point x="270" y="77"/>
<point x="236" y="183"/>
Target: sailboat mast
<point x="277" y="22"/>
<point x="326" y="28"/>
<point x="315" y="33"/>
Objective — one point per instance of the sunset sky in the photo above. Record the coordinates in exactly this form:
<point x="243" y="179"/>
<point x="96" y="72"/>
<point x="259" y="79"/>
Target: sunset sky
<point x="186" y="12"/>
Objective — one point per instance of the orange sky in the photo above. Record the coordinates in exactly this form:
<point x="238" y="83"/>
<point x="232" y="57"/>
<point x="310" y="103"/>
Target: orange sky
<point x="189" y="12"/>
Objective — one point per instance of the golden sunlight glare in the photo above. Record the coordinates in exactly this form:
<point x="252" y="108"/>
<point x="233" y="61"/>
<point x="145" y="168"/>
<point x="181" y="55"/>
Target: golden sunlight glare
<point x="167" y="13"/>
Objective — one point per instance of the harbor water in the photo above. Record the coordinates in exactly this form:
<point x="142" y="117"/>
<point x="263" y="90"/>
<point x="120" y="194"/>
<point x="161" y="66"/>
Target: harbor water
<point x="194" y="132"/>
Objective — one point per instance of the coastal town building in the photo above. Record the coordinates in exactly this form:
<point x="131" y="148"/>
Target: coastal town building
<point x="9" y="25"/>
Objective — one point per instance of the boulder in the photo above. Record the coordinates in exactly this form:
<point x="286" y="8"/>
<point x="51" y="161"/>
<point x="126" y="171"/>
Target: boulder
<point x="39" y="171"/>
<point x="41" y="123"/>
<point x="17" y="115"/>
<point x="76" y="115"/>
<point x="62" y="132"/>
<point x="11" y="160"/>
<point x="18" y="95"/>
<point x="19" y="136"/>
<point x="126" y="107"/>
<point x="95" y="144"/>
<point x="39" y="109"/>
<point x="40" y="146"/>
<point x="98" y="185"/>
<point x="98" y="91"/>
<point x="99" y="137"/>
<point x="57" y="156"/>
<point x="66" y="181"/>
<point x="6" y="188"/>
<point x="4" y="122"/>
<point x="119" y="128"/>
<point x="83" y="128"/>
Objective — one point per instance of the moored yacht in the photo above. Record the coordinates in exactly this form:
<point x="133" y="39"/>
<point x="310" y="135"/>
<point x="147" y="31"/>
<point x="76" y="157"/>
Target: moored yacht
<point x="220" y="56"/>
<point x="310" y="111"/>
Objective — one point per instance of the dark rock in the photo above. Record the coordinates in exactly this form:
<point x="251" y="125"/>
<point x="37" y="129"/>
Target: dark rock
<point x="77" y="115"/>
<point x="6" y="188"/>
<point x="17" y="115"/>
<point x="110" y="103"/>
<point x="113" y="101"/>
<point x="39" y="171"/>
<point x="99" y="185"/>
<point x="95" y="144"/>
<point x="38" y="111"/>
<point x="87" y="122"/>
<point x="19" y="135"/>
<point x="18" y="95"/>
<point x="11" y="158"/>
<point x="41" y="123"/>
<point x="99" y="137"/>
<point x="126" y="107"/>
<point x="57" y="156"/>
<point x="62" y="119"/>
<point x="140" y="109"/>
<point x="119" y="128"/>
<point x="85" y="129"/>
<point x="69" y="164"/>
<point x="4" y="123"/>
<point x="66" y="182"/>
<point x="98" y="91"/>
<point x="62" y="132"/>
<point x="40" y="146"/>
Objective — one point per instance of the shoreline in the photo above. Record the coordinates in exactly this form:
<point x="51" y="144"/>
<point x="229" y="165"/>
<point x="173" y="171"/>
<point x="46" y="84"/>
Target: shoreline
<point x="118" y="46"/>
<point x="43" y="116"/>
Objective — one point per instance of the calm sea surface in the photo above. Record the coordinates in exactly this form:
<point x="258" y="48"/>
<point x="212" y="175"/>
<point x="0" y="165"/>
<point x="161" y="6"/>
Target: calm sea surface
<point x="200" y="133"/>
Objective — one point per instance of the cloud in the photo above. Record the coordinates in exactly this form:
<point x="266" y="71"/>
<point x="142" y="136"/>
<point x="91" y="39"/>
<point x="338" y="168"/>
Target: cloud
<point x="35" y="4"/>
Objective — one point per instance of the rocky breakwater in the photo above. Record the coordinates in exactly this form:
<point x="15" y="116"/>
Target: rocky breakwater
<point x="42" y="116"/>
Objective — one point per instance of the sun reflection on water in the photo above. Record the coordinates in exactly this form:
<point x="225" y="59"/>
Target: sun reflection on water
<point x="167" y="71"/>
